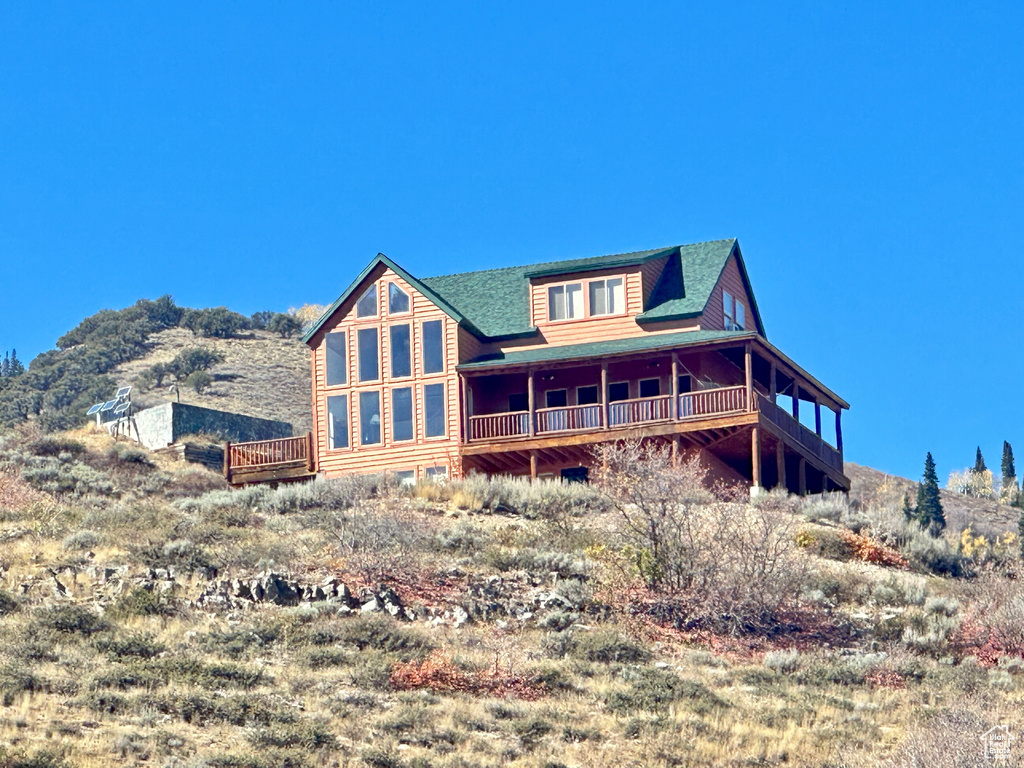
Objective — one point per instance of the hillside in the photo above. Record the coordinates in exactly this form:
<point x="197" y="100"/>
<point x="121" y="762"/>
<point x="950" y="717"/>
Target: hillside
<point x="262" y="375"/>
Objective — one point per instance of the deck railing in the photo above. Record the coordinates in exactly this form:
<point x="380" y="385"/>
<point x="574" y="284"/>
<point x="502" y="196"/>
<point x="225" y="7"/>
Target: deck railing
<point x="808" y="439"/>
<point x="712" y="402"/>
<point x="570" y="418"/>
<point x="640" y="410"/>
<point x="499" y="425"/>
<point x="267" y="453"/>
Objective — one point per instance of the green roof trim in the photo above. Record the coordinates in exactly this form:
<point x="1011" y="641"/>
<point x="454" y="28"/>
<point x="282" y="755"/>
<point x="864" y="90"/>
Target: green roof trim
<point x="414" y="282"/>
<point x="596" y="350"/>
<point x="597" y="262"/>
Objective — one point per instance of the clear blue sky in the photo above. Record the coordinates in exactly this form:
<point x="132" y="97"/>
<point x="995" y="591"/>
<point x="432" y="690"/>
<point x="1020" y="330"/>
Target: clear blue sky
<point x="257" y="155"/>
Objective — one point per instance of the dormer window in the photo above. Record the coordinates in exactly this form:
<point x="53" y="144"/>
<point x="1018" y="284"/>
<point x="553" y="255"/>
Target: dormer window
<point x="367" y="304"/>
<point x="398" y="300"/>
<point x="733" y="311"/>
<point x="565" y="302"/>
<point x="607" y="297"/>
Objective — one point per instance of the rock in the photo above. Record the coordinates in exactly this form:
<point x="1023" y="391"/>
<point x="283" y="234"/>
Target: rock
<point x="459" y="616"/>
<point x="371" y="605"/>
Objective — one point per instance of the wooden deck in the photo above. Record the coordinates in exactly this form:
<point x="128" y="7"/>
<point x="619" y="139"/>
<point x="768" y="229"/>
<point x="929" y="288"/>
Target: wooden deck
<point x="281" y="460"/>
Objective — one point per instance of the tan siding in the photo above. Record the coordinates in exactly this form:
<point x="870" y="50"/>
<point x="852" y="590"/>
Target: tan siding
<point x="731" y="281"/>
<point x="420" y="452"/>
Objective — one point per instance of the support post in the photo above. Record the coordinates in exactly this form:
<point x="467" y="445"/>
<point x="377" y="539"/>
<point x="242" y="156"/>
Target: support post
<point x="604" y="395"/>
<point x="467" y="428"/>
<point x="839" y="431"/>
<point x="796" y="400"/>
<point x="755" y="456"/>
<point x="802" y="476"/>
<point x="674" y="389"/>
<point x="817" y="417"/>
<point x="529" y="400"/>
<point x="748" y="359"/>
<point x="309" y="451"/>
<point x="227" y="461"/>
<point x="773" y="387"/>
<point x="533" y="465"/>
<point x="675" y="449"/>
<point x="780" y="462"/>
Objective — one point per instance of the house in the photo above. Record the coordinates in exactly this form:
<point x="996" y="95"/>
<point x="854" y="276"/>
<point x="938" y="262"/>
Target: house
<point x="522" y="370"/>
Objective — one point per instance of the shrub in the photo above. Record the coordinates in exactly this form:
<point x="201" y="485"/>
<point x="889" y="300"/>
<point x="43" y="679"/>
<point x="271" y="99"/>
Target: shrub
<point x="199" y="381"/>
<point x="782" y="661"/>
<point x="193" y="360"/>
<point x="653" y="690"/>
<point x="139" y="601"/>
<point x="827" y="507"/>
<point x="219" y="322"/>
<point x="8" y="603"/>
<point x="81" y="540"/>
<point x="607" y="646"/>
<point x="284" y="325"/>
<point x="384" y="634"/>
<point x="71" y="619"/>
<point x="309" y="736"/>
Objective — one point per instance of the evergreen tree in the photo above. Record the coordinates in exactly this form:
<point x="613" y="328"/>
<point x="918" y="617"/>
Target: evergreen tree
<point x="1010" y="493"/>
<point x="1008" y="468"/>
<point x="929" y="507"/>
<point x="979" y="462"/>
<point x="5" y="366"/>
<point x="15" y="367"/>
<point x="909" y="513"/>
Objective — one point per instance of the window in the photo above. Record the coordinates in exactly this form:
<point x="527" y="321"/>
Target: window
<point x="398" y="300"/>
<point x="436" y="473"/>
<point x="369" y="369"/>
<point x="367" y="304"/>
<point x="586" y="395"/>
<point x="434" y="410"/>
<point x="650" y="387"/>
<point x="406" y="477"/>
<point x="685" y="384"/>
<point x="369" y="418"/>
<point x="401" y="413"/>
<point x="556" y="398"/>
<point x="401" y="359"/>
<point x="734" y="312"/>
<point x="337" y="359"/>
<point x="618" y="391"/>
<point x="607" y="297"/>
<point x="520" y="401"/>
<point x="433" y="347"/>
<point x="337" y="421"/>
<point x="565" y="302"/>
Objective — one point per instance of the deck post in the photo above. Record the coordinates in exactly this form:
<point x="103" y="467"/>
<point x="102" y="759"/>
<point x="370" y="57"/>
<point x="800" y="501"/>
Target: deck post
<point x="675" y="449"/>
<point x="309" y="451"/>
<point x="802" y="476"/>
<point x="796" y="400"/>
<point x="604" y="394"/>
<point x="533" y="465"/>
<point x="227" y="461"/>
<point x="748" y="360"/>
<point x="466" y="427"/>
<point x="780" y="462"/>
<point x="817" y="416"/>
<point x="529" y="400"/>
<point x="773" y="387"/>
<point x="839" y="431"/>
<point x="674" y="389"/>
<point x="755" y="458"/>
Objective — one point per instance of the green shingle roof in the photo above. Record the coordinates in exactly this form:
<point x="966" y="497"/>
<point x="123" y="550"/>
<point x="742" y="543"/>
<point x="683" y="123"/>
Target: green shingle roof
<point x="495" y="303"/>
<point x="600" y="349"/>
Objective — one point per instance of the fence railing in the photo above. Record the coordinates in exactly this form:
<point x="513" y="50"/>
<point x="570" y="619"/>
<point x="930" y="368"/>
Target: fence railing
<point x="712" y="402"/>
<point x="792" y="427"/>
<point x="498" y="425"/>
<point x="570" y="418"/>
<point x="267" y="453"/>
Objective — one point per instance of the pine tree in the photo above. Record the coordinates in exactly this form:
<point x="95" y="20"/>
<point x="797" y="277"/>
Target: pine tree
<point x="15" y="366"/>
<point x="929" y="507"/>
<point x="909" y="513"/>
<point x="5" y="366"/>
<point x="1010" y="493"/>
<point x="979" y="462"/>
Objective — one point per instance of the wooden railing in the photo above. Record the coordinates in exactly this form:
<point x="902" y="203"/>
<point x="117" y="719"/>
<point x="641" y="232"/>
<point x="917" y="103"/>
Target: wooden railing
<point x="267" y="453"/>
<point x="815" y="445"/>
<point x="712" y="402"/>
<point x="498" y="425"/>
<point x="640" y="410"/>
<point x="570" y="418"/>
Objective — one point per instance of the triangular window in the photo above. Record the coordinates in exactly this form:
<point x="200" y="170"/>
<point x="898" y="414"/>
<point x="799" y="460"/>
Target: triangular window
<point x="398" y="300"/>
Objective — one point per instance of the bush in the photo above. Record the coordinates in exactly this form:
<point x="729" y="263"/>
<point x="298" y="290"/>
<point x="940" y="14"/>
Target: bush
<point x="607" y="646"/>
<point x="71" y="619"/>
<point x="199" y="381"/>
<point x="194" y="360"/>
<point x="218" y="322"/>
<point x="8" y="603"/>
<point x="782" y="661"/>
<point x="654" y="690"/>
<point x="284" y="325"/>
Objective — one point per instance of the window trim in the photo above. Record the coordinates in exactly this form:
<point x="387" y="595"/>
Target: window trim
<point x="609" y="392"/>
<point x="412" y="415"/>
<point x="391" y="353"/>
<point x="423" y="349"/>
<point x="560" y="389"/>
<point x="376" y="303"/>
<point x="568" y="318"/>
<point x="640" y="383"/>
<point x="605" y="280"/>
<point x="359" y="356"/>
<point x="597" y="392"/>
<point x="348" y="422"/>
<point x="347" y="360"/>
<point x="380" y="415"/>
<point x="444" y="400"/>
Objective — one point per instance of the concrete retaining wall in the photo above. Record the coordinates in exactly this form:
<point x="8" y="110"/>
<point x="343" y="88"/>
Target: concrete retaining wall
<point x="166" y="424"/>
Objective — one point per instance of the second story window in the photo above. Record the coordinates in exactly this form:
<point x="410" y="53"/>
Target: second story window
<point x="337" y="359"/>
<point x="398" y="300"/>
<point x="433" y="347"/>
<point x="367" y="304"/>
<point x="369" y="367"/>
<point x="401" y="360"/>
<point x="734" y="313"/>
<point x="607" y="297"/>
<point x="565" y="302"/>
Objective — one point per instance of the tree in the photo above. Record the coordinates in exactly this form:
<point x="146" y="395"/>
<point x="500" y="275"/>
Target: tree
<point x="929" y="507"/>
<point x="1008" y="488"/>
<point x="979" y="463"/>
<point x="15" y="367"/>
<point x="284" y="325"/>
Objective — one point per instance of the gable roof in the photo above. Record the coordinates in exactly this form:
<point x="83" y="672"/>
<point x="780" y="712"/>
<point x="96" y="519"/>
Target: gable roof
<point x="495" y="303"/>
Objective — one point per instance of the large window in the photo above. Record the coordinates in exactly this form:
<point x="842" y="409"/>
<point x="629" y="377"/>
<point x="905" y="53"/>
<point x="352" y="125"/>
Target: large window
<point x="434" y="410"/>
<point x="369" y="364"/>
<point x="401" y="360"/>
<point x="337" y="421"/>
<point x="565" y="302"/>
<point x="607" y="297"/>
<point x="337" y="359"/>
<point x="734" y="313"/>
<point x="433" y="347"/>
<point x="401" y="413"/>
<point x="398" y="300"/>
<point x="367" y="304"/>
<point x="369" y="418"/>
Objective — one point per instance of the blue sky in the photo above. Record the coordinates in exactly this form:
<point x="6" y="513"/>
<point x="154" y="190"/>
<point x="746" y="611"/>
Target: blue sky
<point x="868" y="156"/>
